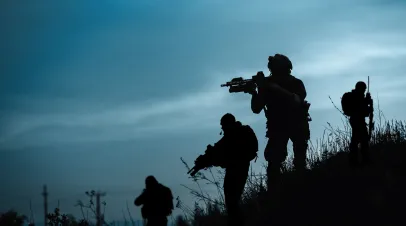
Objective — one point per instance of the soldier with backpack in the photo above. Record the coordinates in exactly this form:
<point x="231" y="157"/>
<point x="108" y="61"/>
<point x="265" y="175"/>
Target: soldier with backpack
<point x="357" y="107"/>
<point x="156" y="201"/>
<point x="233" y="151"/>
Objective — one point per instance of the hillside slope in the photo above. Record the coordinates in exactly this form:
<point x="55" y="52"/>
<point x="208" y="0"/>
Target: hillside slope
<point x="330" y="193"/>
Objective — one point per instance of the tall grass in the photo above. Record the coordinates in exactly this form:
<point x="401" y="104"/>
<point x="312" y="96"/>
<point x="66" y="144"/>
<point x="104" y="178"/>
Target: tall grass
<point x="330" y="193"/>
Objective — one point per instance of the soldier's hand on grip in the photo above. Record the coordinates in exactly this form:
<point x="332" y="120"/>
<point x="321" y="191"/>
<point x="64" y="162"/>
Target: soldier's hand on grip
<point x="368" y="98"/>
<point x="192" y="172"/>
<point x="370" y="109"/>
<point x="251" y="91"/>
<point x="260" y="79"/>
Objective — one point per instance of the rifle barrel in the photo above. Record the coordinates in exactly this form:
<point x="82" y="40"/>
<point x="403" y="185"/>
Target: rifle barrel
<point x="191" y="170"/>
<point x="236" y="81"/>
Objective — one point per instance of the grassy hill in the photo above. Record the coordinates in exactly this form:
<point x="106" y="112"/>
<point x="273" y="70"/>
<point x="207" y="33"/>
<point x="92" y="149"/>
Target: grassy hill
<point x="330" y="193"/>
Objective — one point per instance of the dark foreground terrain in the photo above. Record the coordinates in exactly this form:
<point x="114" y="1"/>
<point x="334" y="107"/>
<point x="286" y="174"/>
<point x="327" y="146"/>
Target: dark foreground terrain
<point x="330" y="193"/>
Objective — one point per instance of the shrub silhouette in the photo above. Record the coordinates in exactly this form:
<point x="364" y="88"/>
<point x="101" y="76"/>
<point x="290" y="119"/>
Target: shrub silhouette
<point x="58" y="219"/>
<point x="12" y="218"/>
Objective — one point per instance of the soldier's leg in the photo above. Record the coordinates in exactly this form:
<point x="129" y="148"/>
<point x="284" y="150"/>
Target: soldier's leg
<point x="364" y="137"/>
<point x="240" y="185"/>
<point x="355" y="139"/>
<point x="300" y="137"/>
<point x="158" y="221"/>
<point x="234" y="183"/>
<point x="228" y="194"/>
<point x="275" y="154"/>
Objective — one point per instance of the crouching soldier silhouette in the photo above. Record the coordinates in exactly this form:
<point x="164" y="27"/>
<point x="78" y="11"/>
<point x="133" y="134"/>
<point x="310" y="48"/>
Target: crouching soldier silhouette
<point x="233" y="151"/>
<point x="157" y="201"/>
<point x="282" y="97"/>
<point x="358" y="106"/>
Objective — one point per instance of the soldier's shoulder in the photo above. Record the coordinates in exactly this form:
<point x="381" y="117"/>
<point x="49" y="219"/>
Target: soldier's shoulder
<point x="349" y="94"/>
<point x="247" y="128"/>
<point x="294" y="78"/>
<point x="166" y="188"/>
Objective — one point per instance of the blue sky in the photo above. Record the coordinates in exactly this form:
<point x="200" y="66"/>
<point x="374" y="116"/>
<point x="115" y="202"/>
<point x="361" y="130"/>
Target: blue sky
<point x="100" y="94"/>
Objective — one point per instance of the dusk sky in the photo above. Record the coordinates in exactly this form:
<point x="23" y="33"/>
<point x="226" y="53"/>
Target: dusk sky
<point x="100" y="94"/>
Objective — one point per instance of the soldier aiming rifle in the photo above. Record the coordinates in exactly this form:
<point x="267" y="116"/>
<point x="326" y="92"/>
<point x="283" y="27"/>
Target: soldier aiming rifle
<point x="240" y="84"/>
<point x="233" y="151"/>
<point x="282" y="97"/>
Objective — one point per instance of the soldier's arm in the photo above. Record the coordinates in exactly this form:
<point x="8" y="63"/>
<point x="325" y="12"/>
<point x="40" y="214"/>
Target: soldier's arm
<point x="369" y="104"/>
<point x="300" y="89"/>
<point x="140" y="200"/>
<point x="367" y="110"/>
<point x="220" y="145"/>
<point x="257" y="103"/>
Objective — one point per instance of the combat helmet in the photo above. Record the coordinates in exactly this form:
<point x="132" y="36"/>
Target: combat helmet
<point x="279" y="63"/>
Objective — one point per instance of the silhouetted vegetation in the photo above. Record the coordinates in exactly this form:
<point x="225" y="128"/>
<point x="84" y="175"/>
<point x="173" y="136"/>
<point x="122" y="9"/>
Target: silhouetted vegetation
<point x="58" y="219"/>
<point x="90" y="207"/>
<point x="12" y="218"/>
<point x="329" y="193"/>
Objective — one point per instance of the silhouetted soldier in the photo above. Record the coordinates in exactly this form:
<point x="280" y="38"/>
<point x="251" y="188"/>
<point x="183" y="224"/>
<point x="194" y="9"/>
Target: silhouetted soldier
<point x="233" y="151"/>
<point x="282" y="96"/>
<point x="358" y="106"/>
<point x="157" y="201"/>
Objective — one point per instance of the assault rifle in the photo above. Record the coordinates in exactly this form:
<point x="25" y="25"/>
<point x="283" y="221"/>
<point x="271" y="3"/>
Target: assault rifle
<point x="197" y="167"/>
<point x="249" y="85"/>
<point x="210" y="158"/>
<point x="240" y="84"/>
